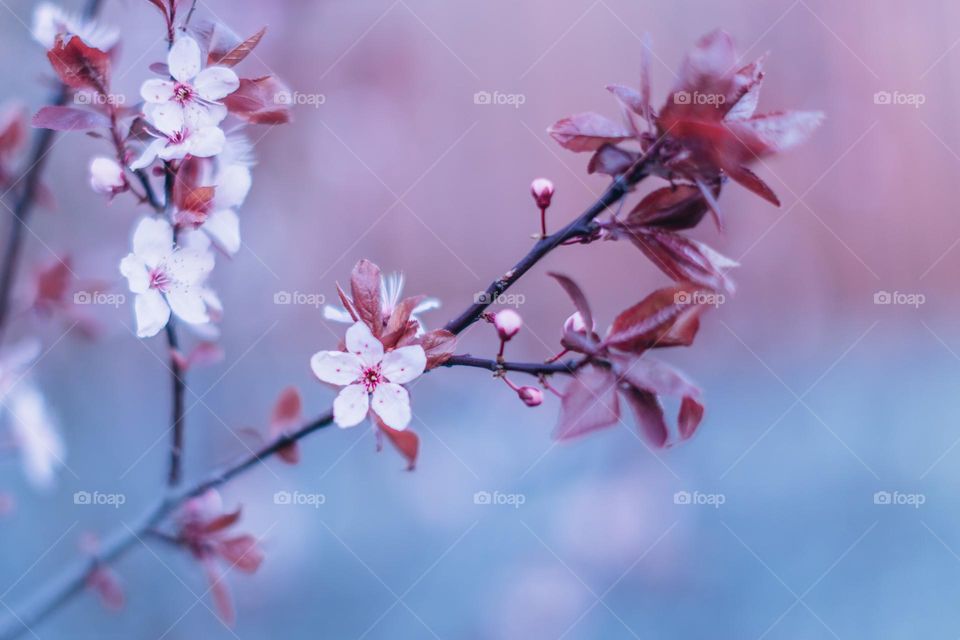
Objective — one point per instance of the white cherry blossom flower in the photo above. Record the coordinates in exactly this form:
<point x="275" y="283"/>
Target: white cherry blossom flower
<point x="370" y="378"/>
<point x="33" y="429"/>
<point x="391" y="290"/>
<point x="166" y="278"/>
<point x="35" y="434"/>
<point x="195" y="90"/>
<point x="49" y="21"/>
<point x="177" y="135"/>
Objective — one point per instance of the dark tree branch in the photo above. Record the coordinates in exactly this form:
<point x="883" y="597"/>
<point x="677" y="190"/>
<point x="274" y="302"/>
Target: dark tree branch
<point x="73" y="580"/>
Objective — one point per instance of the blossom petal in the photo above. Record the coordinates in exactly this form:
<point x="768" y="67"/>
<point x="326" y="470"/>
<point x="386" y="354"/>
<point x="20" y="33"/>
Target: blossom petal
<point x="135" y="270"/>
<point x="197" y="114"/>
<point x="206" y="142"/>
<point x="168" y="118"/>
<point x="350" y="406"/>
<point x="392" y="404"/>
<point x="336" y="367"/>
<point x="404" y="364"/>
<point x="157" y="91"/>
<point x="337" y="314"/>
<point x="233" y="185"/>
<point x="152" y="312"/>
<point x="189" y="266"/>
<point x="153" y="240"/>
<point x="36" y="435"/>
<point x="223" y="226"/>
<point x="216" y="83"/>
<point x="188" y="303"/>
<point x="427" y="304"/>
<point x="362" y="342"/>
<point x="184" y="59"/>
<point x="149" y="155"/>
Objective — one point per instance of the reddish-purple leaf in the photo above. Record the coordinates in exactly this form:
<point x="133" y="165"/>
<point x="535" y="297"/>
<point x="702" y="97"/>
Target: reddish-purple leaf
<point x="241" y="552"/>
<point x="691" y="414"/>
<point x="80" y="66"/>
<point x="263" y="100"/>
<point x="365" y="293"/>
<point x="439" y="346"/>
<point x="406" y="442"/>
<point x="649" y="415"/>
<point x="678" y="207"/>
<point x="780" y="131"/>
<point x="222" y="599"/>
<point x="651" y="320"/>
<point x="589" y="403"/>
<point x="236" y="55"/>
<point x="69" y="119"/>
<point x="751" y="181"/>
<point x="587" y="132"/>
<point x="611" y="160"/>
<point x="579" y="300"/>
<point x="654" y="376"/>
<point x="684" y="259"/>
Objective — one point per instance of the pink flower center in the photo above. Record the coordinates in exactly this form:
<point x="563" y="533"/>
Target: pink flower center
<point x="183" y="93"/>
<point x="159" y="279"/>
<point x="178" y="137"/>
<point x="371" y="377"/>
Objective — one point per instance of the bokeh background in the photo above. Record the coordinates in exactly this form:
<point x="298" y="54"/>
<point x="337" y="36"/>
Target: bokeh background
<point x="817" y="398"/>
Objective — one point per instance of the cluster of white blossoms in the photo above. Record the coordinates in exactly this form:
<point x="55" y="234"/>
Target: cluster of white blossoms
<point x="172" y="258"/>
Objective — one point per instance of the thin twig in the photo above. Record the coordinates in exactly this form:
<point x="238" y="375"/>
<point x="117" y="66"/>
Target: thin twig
<point x="73" y="580"/>
<point x="42" y="142"/>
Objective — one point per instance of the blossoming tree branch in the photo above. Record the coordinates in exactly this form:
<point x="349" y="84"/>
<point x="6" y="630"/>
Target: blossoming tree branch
<point x="181" y="154"/>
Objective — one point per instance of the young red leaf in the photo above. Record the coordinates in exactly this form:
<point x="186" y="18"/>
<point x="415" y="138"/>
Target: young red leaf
<point x="241" y="552"/>
<point x="439" y="346"/>
<point x="628" y="97"/>
<point x="648" y="413"/>
<point x="263" y="100"/>
<point x="751" y="181"/>
<point x="589" y="403"/>
<point x="684" y="259"/>
<point x="12" y="130"/>
<point x="611" y="160"/>
<point x="80" y="66"/>
<point x="105" y="583"/>
<point x="347" y="303"/>
<point x="646" y="323"/>
<point x="691" y="414"/>
<point x="69" y="119"/>
<point x="287" y="415"/>
<point x="573" y="290"/>
<point x="779" y="131"/>
<point x="678" y="207"/>
<point x="406" y="442"/>
<point x="236" y="55"/>
<point x="205" y="354"/>
<point x="222" y="600"/>
<point x="587" y="132"/>
<point x="654" y="376"/>
<point x="365" y="283"/>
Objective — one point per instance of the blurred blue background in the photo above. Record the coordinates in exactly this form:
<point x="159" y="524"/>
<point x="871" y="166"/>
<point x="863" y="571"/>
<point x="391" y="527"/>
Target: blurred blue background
<point x="817" y="398"/>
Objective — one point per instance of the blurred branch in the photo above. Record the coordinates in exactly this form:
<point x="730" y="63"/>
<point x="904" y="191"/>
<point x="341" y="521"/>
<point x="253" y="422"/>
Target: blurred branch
<point x="73" y="580"/>
<point x="531" y="368"/>
<point x="42" y="142"/>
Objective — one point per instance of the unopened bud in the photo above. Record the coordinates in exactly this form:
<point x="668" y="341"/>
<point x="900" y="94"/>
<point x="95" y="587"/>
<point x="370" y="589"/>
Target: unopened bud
<point x="575" y="324"/>
<point x="531" y="396"/>
<point x="106" y="176"/>
<point x="508" y="323"/>
<point x="542" y="190"/>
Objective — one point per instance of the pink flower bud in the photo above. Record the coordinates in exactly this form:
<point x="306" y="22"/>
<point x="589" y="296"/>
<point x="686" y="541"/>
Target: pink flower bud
<point x="508" y="323"/>
<point x="575" y="324"/>
<point x="106" y="176"/>
<point x="531" y="396"/>
<point x="542" y="190"/>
